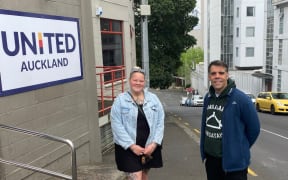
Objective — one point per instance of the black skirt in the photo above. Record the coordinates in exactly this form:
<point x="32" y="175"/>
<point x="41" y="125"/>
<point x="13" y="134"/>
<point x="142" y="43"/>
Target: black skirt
<point x="127" y="161"/>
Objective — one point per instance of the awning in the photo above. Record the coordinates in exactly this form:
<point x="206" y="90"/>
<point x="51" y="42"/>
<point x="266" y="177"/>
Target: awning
<point x="262" y="75"/>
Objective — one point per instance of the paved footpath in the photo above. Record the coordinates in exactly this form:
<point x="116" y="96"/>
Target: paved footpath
<point x="181" y="154"/>
<point x="181" y="157"/>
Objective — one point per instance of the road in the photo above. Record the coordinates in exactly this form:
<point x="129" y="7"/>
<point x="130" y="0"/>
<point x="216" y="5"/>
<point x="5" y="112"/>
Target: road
<point x="269" y="154"/>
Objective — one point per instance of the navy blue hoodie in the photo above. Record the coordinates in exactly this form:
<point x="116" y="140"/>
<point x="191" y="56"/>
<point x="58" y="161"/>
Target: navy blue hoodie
<point x="241" y="127"/>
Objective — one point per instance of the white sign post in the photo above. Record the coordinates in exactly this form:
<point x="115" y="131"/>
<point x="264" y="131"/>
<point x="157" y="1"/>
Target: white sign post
<point x="37" y="51"/>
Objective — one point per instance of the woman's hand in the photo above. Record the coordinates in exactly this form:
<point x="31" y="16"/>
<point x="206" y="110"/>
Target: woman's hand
<point x="136" y="149"/>
<point x="150" y="149"/>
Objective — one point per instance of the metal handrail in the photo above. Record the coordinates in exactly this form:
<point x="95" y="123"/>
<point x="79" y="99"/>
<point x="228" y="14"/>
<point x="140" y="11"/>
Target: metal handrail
<point x="49" y="137"/>
<point x="106" y="89"/>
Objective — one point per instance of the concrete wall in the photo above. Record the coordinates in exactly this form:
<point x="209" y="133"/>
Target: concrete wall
<point x="197" y="79"/>
<point x="64" y="110"/>
<point x="68" y="110"/>
<point x="243" y="79"/>
<point x="117" y="10"/>
<point x="125" y="14"/>
<point x="246" y="82"/>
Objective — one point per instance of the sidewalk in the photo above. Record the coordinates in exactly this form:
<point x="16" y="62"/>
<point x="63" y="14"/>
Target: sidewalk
<point x="180" y="153"/>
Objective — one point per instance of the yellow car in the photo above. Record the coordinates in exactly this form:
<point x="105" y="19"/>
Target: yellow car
<point x="273" y="102"/>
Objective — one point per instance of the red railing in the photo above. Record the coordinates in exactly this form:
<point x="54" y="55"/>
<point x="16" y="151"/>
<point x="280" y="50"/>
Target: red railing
<point x="110" y="82"/>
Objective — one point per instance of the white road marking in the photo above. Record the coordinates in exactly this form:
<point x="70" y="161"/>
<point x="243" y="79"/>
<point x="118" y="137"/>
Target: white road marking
<point x="279" y="135"/>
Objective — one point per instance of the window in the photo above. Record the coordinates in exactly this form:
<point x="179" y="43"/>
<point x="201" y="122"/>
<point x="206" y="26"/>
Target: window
<point x="250" y="31"/>
<point x="249" y="51"/>
<point x="237" y="12"/>
<point x="111" y="34"/>
<point x="237" y="51"/>
<point x="279" y="79"/>
<point x="237" y="32"/>
<point x="112" y="43"/>
<point x="280" y="49"/>
<point x="250" y="11"/>
<point x="227" y="29"/>
<point x="281" y="20"/>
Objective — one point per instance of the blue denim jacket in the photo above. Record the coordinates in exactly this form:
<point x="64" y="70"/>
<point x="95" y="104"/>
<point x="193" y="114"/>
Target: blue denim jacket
<point x="124" y="114"/>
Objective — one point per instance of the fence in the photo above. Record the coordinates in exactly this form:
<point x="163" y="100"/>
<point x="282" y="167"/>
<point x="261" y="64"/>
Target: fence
<point x="38" y="169"/>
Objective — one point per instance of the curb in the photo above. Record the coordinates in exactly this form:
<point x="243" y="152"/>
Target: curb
<point x="186" y="129"/>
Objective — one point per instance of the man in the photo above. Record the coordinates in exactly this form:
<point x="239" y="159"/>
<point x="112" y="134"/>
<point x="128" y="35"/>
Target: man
<point x="230" y="126"/>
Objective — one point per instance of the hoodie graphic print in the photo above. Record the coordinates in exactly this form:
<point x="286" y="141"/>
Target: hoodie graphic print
<point x="214" y="123"/>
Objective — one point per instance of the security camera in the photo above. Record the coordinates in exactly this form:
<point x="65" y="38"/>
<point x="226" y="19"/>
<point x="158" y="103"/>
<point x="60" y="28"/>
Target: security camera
<point x="99" y="11"/>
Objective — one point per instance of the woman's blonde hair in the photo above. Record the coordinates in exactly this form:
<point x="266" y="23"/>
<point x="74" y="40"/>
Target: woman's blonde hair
<point x="137" y="69"/>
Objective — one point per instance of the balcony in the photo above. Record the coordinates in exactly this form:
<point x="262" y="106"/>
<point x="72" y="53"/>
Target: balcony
<point x="279" y="2"/>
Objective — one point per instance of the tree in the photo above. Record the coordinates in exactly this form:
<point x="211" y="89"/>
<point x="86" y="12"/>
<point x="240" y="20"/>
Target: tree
<point x="168" y="27"/>
<point x="189" y="60"/>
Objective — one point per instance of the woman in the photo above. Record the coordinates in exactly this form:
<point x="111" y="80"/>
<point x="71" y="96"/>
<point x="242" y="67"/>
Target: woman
<point x="137" y="120"/>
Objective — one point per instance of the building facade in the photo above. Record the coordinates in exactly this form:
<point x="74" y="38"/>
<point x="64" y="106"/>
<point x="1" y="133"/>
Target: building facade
<point x="197" y="31"/>
<point x="248" y="17"/>
<point x="240" y="33"/>
<point x="280" y="46"/>
<point x="69" y="107"/>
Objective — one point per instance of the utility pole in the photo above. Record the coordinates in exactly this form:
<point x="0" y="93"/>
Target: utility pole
<point x="145" y="12"/>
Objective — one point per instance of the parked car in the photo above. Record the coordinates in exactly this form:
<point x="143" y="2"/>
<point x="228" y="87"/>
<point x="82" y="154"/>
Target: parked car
<point x="183" y="100"/>
<point x="273" y="102"/>
<point x="252" y="97"/>
<point x="194" y="100"/>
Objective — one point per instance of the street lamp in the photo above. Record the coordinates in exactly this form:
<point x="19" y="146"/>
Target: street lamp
<point x="145" y="11"/>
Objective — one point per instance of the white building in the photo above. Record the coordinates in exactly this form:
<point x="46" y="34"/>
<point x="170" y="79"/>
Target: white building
<point x="280" y="46"/>
<point x="248" y="34"/>
<point x="197" y="31"/>
<point x="239" y="33"/>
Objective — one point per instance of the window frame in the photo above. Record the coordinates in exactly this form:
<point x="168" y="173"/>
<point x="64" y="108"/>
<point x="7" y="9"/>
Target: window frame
<point x="111" y="32"/>
<point x="237" y="31"/>
<point x="280" y="52"/>
<point x="246" y="52"/>
<point x="109" y="29"/>
<point x="248" y="12"/>
<point x="237" y="12"/>
<point x="249" y="32"/>
<point x="281" y="20"/>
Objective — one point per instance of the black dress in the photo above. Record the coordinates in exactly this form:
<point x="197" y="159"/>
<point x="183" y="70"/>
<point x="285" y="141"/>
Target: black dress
<point x="127" y="161"/>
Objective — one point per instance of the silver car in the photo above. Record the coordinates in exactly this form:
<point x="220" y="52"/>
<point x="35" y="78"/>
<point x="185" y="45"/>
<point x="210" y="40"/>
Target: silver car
<point x="194" y="100"/>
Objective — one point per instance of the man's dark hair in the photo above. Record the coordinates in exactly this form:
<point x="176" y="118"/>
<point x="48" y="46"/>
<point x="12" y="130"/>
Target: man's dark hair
<point x="218" y="63"/>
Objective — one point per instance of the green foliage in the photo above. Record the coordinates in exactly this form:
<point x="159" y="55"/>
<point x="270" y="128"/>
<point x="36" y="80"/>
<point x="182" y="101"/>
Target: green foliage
<point x="168" y="28"/>
<point x="189" y="60"/>
<point x="161" y="79"/>
<point x="187" y="86"/>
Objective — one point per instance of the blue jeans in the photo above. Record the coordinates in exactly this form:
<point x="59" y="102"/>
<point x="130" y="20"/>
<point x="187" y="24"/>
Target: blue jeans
<point x="215" y="171"/>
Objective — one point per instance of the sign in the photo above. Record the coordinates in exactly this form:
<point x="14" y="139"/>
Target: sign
<point x="37" y="51"/>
